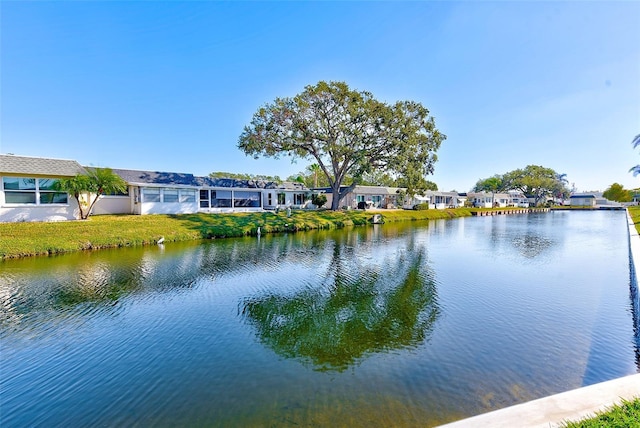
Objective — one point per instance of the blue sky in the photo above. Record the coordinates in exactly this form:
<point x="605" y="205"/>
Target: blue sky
<point x="170" y="85"/>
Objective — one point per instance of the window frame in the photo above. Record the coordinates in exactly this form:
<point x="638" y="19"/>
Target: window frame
<point x="43" y="188"/>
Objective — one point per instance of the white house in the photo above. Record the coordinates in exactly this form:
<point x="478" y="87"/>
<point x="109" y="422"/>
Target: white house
<point x="27" y="189"/>
<point x="583" y="200"/>
<point x="27" y="192"/>
<point x="367" y="196"/>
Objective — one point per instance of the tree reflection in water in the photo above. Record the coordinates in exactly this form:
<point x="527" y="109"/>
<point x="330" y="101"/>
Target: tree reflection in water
<point x="355" y="314"/>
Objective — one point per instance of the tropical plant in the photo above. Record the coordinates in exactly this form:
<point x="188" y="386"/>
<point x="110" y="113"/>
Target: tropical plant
<point x="87" y="188"/>
<point x="635" y="143"/>
<point x="346" y="132"/>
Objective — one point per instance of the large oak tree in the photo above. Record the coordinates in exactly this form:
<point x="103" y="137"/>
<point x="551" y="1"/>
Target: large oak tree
<point x="346" y="132"/>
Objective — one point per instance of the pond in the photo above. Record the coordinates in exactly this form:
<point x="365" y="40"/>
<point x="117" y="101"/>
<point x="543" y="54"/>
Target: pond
<point x="403" y="325"/>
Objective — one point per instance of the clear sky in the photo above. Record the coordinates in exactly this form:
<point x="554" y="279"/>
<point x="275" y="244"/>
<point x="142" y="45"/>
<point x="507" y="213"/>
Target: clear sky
<point x="169" y="86"/>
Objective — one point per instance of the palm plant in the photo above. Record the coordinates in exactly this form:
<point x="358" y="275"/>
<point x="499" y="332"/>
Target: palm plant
<point x="635" y="143"/>
<point x="87" y="188"/>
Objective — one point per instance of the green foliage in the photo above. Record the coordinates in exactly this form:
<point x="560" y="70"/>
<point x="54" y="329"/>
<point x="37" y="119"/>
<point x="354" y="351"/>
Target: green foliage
<point x="346" y="132"/>
<point x="635" y="143"/>
<point x="421" y="207"/>
<point x="491" y="184"/>
<point x="242" y="176"/>
<point x="358" y="316"/>
<point x="625" y="415"/>
<point x="318" y="199"/>
<point x="617" y="192"/>
<point x="534" y="181"/>
<point x="87" y="188"/>
<point x="634" y="212"/>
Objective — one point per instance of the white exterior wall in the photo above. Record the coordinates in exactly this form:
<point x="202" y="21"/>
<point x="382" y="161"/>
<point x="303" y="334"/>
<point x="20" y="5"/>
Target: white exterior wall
<point x="53" y="212"/>
<point x="112" y="205"/>
<point x="583" y="202"/>
<point x="168" y="208"/>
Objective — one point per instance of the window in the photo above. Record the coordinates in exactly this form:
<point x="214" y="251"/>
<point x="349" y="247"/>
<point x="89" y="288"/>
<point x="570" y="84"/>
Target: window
<point x="204" y="199"/>
<point x="246" y="199"/>
<point x="37" y="191"/>
<point x="298" y="198"/>
<point x="221" y="199"/>
<point x="150" y="194"/>
<point x="282" y="199"/>
<point x="170" y="195"/>
<point x="270" y="200"/>
<point x="125" y="193"/>
<point x="359" y="198"/>
<point x="187" y="195"/>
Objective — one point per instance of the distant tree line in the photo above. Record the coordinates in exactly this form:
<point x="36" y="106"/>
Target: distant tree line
<point x="536" y="182"/>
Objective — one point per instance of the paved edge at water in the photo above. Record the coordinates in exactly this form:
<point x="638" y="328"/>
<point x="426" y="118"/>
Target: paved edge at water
<point x="576" y="404"/>
<point x="553" y="410"/>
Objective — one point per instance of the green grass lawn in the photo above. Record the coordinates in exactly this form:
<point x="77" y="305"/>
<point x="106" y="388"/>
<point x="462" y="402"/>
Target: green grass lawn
<point x="634" y="212"/>
<point x="41" y="238"/>
<point x="626" y="415"/>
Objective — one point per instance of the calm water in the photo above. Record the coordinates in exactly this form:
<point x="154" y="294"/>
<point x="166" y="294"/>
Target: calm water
<point x="388" y="325"/>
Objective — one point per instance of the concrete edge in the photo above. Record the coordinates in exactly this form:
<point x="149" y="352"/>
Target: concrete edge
<point x="552" y="411"/>
<point x="577" y="404"/>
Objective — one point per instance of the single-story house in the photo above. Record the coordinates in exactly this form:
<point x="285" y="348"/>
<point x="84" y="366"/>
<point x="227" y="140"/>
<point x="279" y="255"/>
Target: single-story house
<point x="27" y="189"/>
<point x="154" y="192"/>
<point x="370" y="196"/>
<point x="437" y="200"/>
<point x="510" y="199"/>
<point x="583" y="200"/>
<point x="27" y="192"/>
<point x="387" y="198"/>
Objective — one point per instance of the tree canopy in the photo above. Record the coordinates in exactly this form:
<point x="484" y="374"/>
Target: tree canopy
<point x="87" y="188"/>
<point x="534" y="181"/>
<point x="617" y="192"/>
<point x="242" y="176"/>
<point x="346" y="132"/>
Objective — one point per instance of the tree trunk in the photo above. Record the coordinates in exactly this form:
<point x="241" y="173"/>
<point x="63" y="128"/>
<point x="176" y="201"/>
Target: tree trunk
<point x="335" y="200"/>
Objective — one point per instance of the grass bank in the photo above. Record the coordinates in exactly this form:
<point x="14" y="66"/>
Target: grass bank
<point x="634" y="212"/>
<point x="626" y="415"/>
<point x="109" y="231"/>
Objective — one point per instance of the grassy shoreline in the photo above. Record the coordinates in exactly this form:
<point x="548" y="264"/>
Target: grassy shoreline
<point x="112" y="231"/>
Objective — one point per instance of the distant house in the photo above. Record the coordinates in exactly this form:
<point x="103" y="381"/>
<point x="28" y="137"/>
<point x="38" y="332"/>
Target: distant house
<point x="28" y="193"/>
<point x="364" y="196"/>
<point x="437" y="200"/>
<point x="152" y="192"/>
<point x="583" y="200"/>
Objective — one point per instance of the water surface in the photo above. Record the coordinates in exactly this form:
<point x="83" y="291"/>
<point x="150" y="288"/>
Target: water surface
<point x="404" y="325"/>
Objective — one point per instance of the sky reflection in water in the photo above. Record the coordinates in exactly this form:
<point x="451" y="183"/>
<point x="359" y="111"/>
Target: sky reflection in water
<point x="395" y="324"/>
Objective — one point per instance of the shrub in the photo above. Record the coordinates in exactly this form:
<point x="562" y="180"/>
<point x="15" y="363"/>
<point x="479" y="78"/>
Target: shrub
<point x="318" y="200"/>
<point x="421" y="207"/>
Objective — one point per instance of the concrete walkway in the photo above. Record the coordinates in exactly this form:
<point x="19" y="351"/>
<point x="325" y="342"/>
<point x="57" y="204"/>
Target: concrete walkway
<point x="552" y="411"/>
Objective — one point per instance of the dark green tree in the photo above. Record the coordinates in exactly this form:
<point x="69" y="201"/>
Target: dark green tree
<point x="534" y="181"/>
<point x="492" y="184"/>
<point x="243" y="176"/>
<point x="346" y="132"/>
